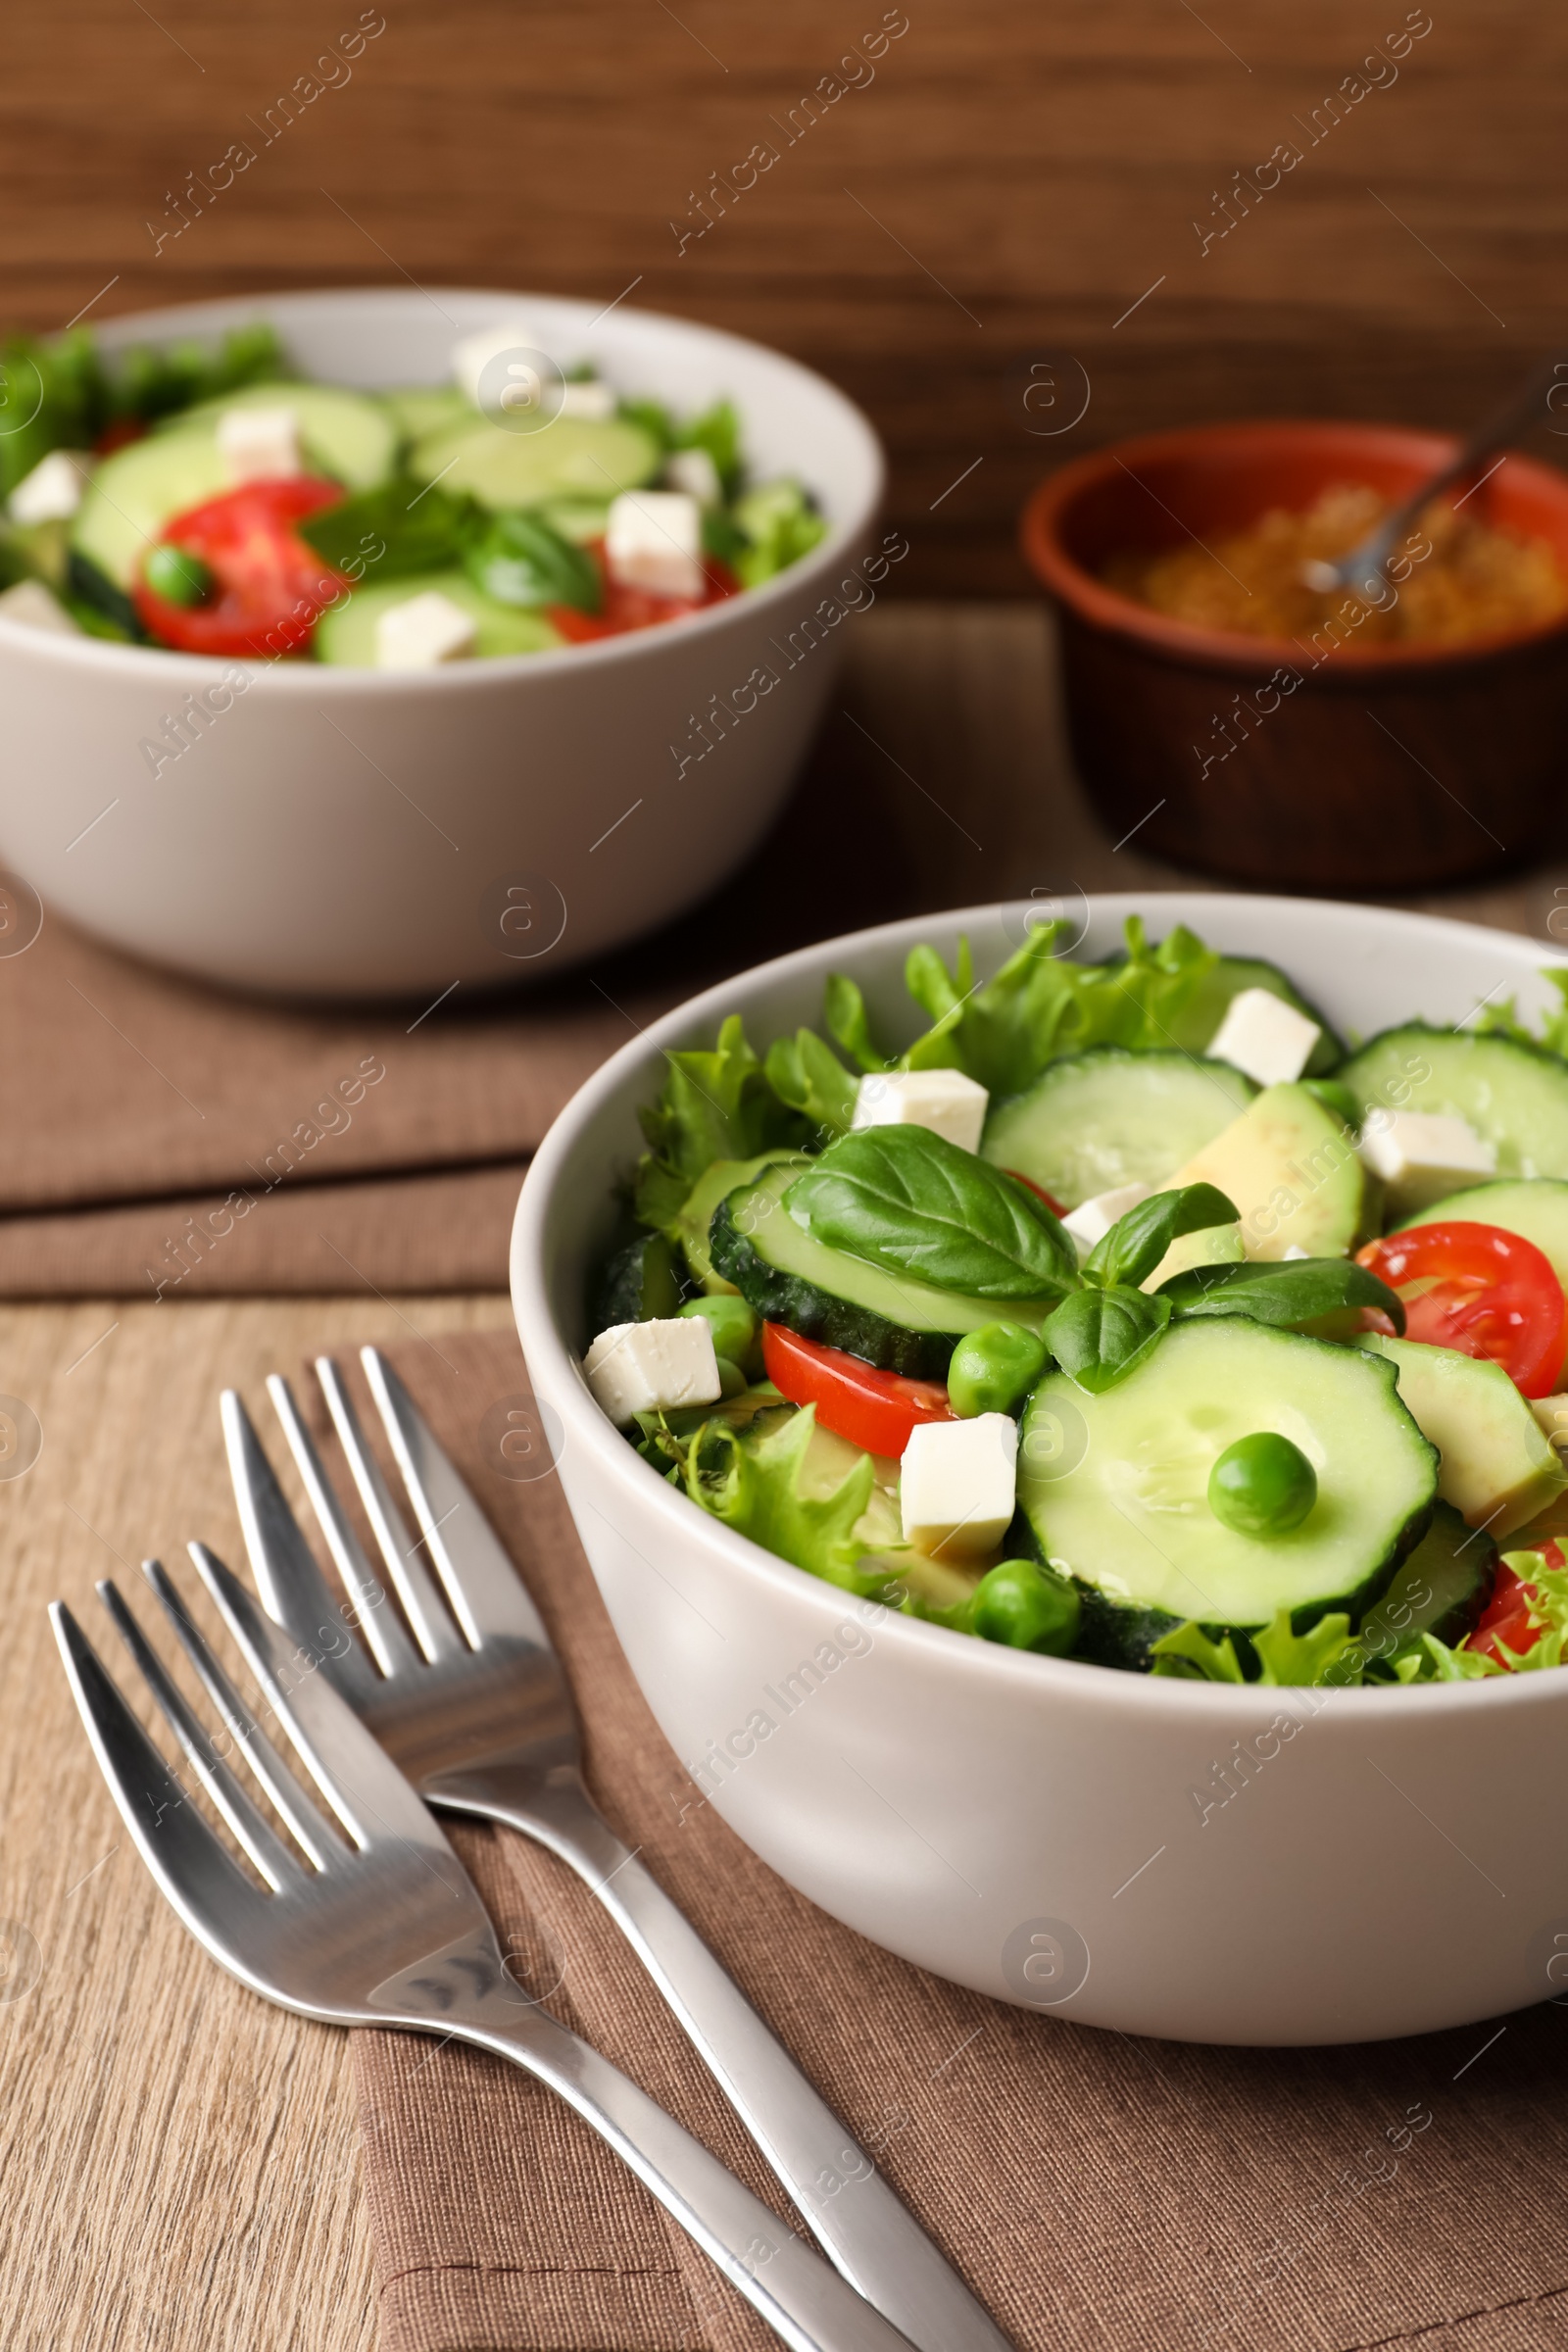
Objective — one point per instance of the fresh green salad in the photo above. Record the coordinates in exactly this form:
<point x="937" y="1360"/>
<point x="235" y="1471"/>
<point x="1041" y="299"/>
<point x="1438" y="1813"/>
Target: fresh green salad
<point x="1131" y="1315"/>
<point x="215" y="501"/>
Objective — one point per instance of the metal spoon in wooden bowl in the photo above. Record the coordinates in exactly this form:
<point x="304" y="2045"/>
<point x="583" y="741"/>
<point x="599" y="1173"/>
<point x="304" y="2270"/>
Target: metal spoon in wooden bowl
<point x="1363" y="567"/>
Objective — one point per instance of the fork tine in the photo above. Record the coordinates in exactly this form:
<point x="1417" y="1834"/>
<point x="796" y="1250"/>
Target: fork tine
<point x="353" y="1771"/>
<point x="291" y="1584"/>
<point x="388" y="1643"/>
<point x="184" y="1853"/>
<point x="255" y="1835"/>
<point x="305" y="1821"/>
<point x="487" y="1594"/>
<point x="415" y="1589"/>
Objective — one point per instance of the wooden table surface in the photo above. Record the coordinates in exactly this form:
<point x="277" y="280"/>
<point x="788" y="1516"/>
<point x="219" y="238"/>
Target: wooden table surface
<point x="179" y="2161"/>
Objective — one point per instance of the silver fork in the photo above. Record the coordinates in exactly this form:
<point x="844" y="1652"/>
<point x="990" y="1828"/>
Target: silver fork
<point x="369" y="1919"/>
<point x="476" y="1711"/>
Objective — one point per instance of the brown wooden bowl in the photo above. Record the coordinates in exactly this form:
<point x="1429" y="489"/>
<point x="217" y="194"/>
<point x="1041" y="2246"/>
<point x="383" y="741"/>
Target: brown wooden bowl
<point x="1381" y="767"/>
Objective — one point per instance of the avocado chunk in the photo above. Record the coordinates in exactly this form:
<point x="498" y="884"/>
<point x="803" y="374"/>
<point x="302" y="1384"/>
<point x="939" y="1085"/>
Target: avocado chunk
<point x="1536" y="1208"/>
<point x="1212" y="1245"/>
<point x="1292" y="1170"/>
<point x="1497" y="1466"/>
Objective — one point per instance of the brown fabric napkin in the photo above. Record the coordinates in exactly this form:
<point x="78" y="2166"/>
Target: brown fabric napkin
<point x="1094" y="2190"/>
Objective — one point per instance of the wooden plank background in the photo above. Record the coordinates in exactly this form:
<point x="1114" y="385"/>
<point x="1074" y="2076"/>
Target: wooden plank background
<point x="990" y="196"/>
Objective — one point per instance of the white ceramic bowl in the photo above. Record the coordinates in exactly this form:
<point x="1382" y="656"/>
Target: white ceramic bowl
<point x="1190" y="1860"/>
<point x="340" y="832"/>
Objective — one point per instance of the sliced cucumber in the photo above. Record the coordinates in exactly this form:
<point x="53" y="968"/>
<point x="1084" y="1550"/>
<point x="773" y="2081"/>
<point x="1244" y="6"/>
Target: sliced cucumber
<point x="354" y="436"/>
<point x="132" y="495"/>
<point x="1536" y="1208"/>
<point x="1112" y="1117"/>
<point x="715" y="1184"/>
<point x="419" y="409"/>
<point x="1499" y="1468"/>
<point x="1130" y="1520"/>
<point x="1513" y="1094"/>
<point x="573" y="458"/>
<point x="1293" y="1172"/>
<point x="638" y="1282"/>
<point x="825" y="1295"/>
<point x="1441" y="1587"/>
<point x="345" y="635"/>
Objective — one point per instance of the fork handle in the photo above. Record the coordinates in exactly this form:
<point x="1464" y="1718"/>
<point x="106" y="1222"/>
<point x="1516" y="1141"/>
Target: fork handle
<point x="851" y="2210"/>
<point x="793" y="2288"/>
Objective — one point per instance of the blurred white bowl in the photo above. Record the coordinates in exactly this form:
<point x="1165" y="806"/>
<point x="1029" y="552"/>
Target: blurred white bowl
<point x="343" y="832"/>
<point x="1385" y="1862"/>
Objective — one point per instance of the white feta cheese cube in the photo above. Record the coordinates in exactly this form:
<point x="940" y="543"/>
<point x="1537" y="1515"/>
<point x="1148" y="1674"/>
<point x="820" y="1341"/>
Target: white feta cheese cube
<point x="470" y="357"/>
<point x="957" y="1485"/>
<point x="1552" y="1414"/>
<point x="1295" y="1251"/>
<point x="945" y="1101"/>
<point x="652" y="1367"/>
<point x="1422" y="1155"/>
<point x="1091" y="1221"/>
<point x="422" y="633"/>
<point x="32" y="604"/>
<point x="52" y="491"/>
<point x="1264" y="1037"/>
<point x="260" y="445"/>
<point x="654" y="541"/>
<point x="694" y="472"/>
<point x="593" y="402"/>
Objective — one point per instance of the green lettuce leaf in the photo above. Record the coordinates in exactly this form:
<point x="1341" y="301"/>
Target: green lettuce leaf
<point x="909" y="1201"/>
<point x="714" y="1105"/>
<point x="754" y="1484"/>
<point x="809" y="1077"/>
<point x="846" y="1022"/>
<point x="1188" y="1654"/>
<point x="1293" y="1660"/>
<point x="1503" y="1019"/>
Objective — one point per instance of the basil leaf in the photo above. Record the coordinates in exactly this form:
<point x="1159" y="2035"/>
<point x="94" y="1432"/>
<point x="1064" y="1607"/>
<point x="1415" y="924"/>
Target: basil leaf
<point x="392" y="532"/>
<point x="519" y="559"/>
<point x="1096" y="1337"/>
<point x="1134" y="1244"/>
<point x="912" y="1202"/>
<point x="1290" y="1294"/>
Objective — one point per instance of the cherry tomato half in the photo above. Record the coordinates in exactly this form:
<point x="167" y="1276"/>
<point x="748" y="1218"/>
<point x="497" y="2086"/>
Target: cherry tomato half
<point x="879" y="1410"/>
<point x="272" y="587"/>
<point x="1039" y="1191"/>
<point x="1491" y="1293"/>
<point x="1504" y="1624"/>
<point x="627" y="609"/>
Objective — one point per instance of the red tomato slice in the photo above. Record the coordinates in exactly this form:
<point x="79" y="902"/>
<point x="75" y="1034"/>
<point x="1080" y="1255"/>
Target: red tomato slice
<point x="625" y="608"/>
<point x="1039" y="1191"/>
<point x="1491" y="1293"/>
<point x="1505" y="1623"/>
<point x="272" y="587"/>
<point x="119" y="435"/>
<point x="879" y="1410"/>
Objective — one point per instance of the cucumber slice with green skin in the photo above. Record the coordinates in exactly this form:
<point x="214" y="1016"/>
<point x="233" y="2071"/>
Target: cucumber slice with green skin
<point x="1536" y="1208"/>
<point x="573" y="458"/>
<point x="1512" y="1093"/>
<point x="134" y="494"/>
<point x="825" y="1295"/>
<point x="715" y="1184"/>
<point x="419" y="409"/>
<point x="1441" y="1587"/>
<point x="353" y="435"/>
<point x="345" y="634"/>
<point x="637" y="1285"/>
<point x="1124" y="1509"/>
<point x="1111" y="1116"/>
<point x="1293" y="1172"/>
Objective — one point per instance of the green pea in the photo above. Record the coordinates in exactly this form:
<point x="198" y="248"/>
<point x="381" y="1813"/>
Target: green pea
<point x="178" y="575"/>
<point x="732" y="1323"/>
<point x="992" y="1369"/>
<point x="1262" y="1486"/>
<point x="1026" y="1607"/>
